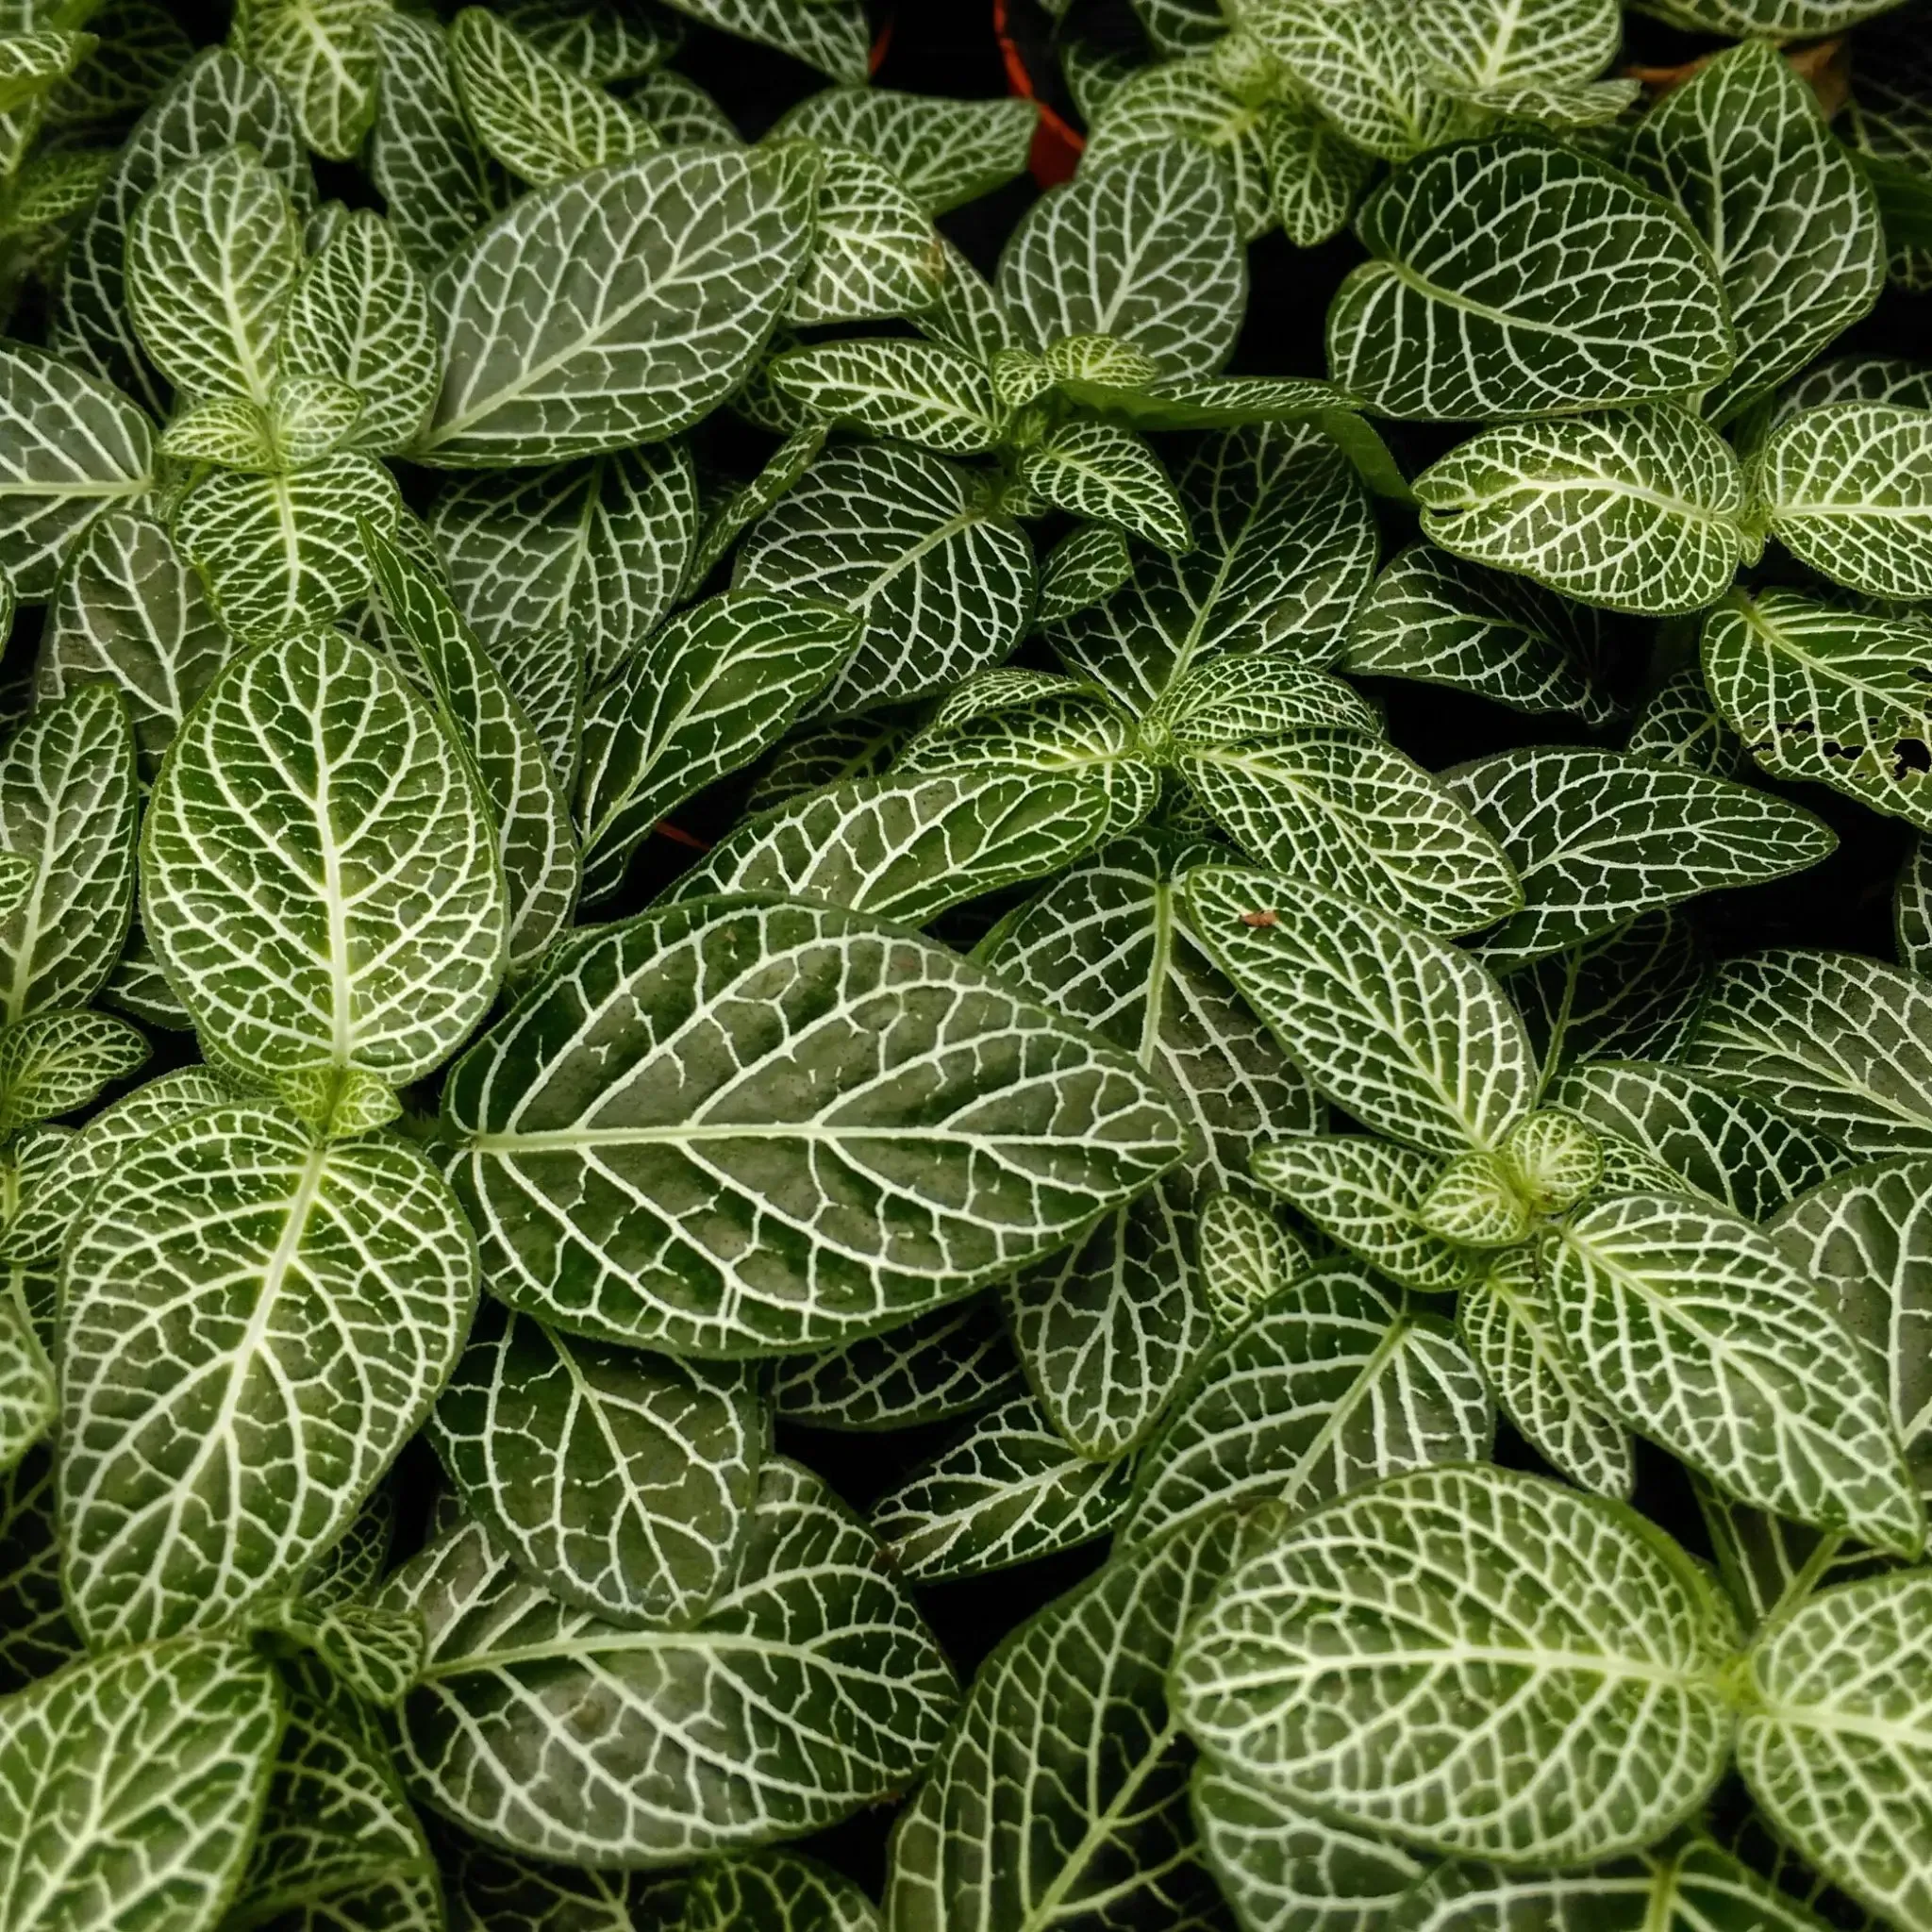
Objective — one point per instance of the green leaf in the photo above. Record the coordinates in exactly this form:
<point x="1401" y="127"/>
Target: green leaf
<point x="73" y="447"/>
<point x="212" y="258"/>
<point x="944" y="153"/>
<point x="1695" y="1330"/>
<point x="874" y="252"/>
<point x="1147" y="250"/>
<point x="656" y="282"/>
<point x="710" y="692"/>
<point x="1857" y="379"/>
<point x="1107" y="474"/>
<point x="134" y="1784"/>
<point x="1864" y="1238"/>
<point x="36" y="1638"/>
<point x="619" y="1481"/>
<point x="361" y="314"/>
<point x="1365" y="1193"/>
<point x="321" y="54"/>
<point x="1508" y="1325"/>
<point x="728" y="518"/>
<point x="924" y="392"/>
<point x="1597" y="837"/>
<point x="831" y="35"/>
<point x="28" y="1402"/>
<point x="338" y="1842"/>
<point x="1730" y="1147"/>
<point x="55" y="1061"/>
<point x="228" y="431"/>
<point x="1285" y="1870"/>
<point x="540" y="120"/>
<point x="776" y="1889"/>
<point x="952" y="1362"/>
<point x="1475" y="46"/>
<point x="1637" y="509"/>
<point x="942" y="579"/>
<point x="1352" y="815"/>
<point x="1410" y="1036"/>
<point x="32" y="62"/>
<point x="1558" y="1653"/>
<point x="1826" y="694"/>
<point x="1316" y="173"/>
<point x="437" y="186"/>
<point x="545" y="1729"/>
<point x="1246" y="1254"/>
<point x="1008" y="1490"/>
<point x="1334" y="1382"/>
<point x="1836" y="1739"/>
<point x="647" y="1198"/>
<point x="1284" y="552"/>
<point x="1439" y="619"/>
<point x="1083" y="569"/>
<point x="1849" y="490"/>
<point x="1458" y="316"/>
<point x="1781" y="20"/>
<point x="600" y="549"/>
<point x="289" y="850"/>
<point x="1839" y="1043"/>
<point x="608" y="40"/>
<point x="507" y="761"/>
<point x="213" y="1451"/>
<point x="67" y="804"/>
<point x="1679" y="724"/>
<point x="281" y="553"/>
<point x="1361" y="67"/>
<point x="514" y="1894"/>
<point x="217" y="102"/>
<point x="1091" y="1828"/>
<point x="1744" y="148"/>
<point x="828" y="751"/>
<point x="1911" y="908"/>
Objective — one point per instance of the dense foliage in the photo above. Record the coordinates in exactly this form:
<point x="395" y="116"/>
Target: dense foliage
<point x="678" y="850"/>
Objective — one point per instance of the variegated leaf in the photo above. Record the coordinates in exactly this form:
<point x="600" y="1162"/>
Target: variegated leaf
<point x="29" y="1399"/>
<point x="1084" y="568"/>
<point x="58" y="1060"/>
<point x="36" y="1636"/>
<point x="254" y="1321"/>
<point x="322" y="54"/>
<point x="1246" y="1256"/>
<point x="944" y="153"/>
<point x="874" y="252"/>
<point x="777" y="1891"/>
<point x="922" y="392"/>
<point x="830" y="35"/>
<point x="1361" y="64"/>
<point x="1849" y="491"/>
<point x="1316" y="175"/>
<point x="1105" y="474"/>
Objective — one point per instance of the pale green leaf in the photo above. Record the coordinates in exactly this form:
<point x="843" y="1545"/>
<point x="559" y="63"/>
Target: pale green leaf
<point x="547" y="1730"/>
<point x="540" y="120"/>
<point x="1083" y="569"/>
<point x="874" y="252"/>
<point x="1696" y="1331"/>
<point x="969" y="313"/>
<point x="1361" y="65"/>
<point x="1408" y="1034"/>
<point x="1089" y="1827"/>
<point x="311" y="417"/>
<point x="1839" y="1043"/>
<point x="67" y="804"/>
<point x="295" y="917"/>
<point x="656" y="282"/>
<point x="1009" y="1490"/>
<point x="214" y="1448"/>
<point x="709" y="691"/>
<point x="322" y="54"/>
<point x="1835" y="1740"/>
<point x="906" y="849"/>
<point x="1332" y="1384"/>
<point x="619" y="1481"/>
<point x="1744" y="148"/>
<point x="1458" y="316"/>
<point x="1105" y="474"/>
<point x="1285" y="551"/>
<point x="669" y="1197"/>
<point x="775" y="1890"/>
<point x="58" y="1060"/>
<point x="944" y="153"/>
<point x="212" y="258"/>
<point x="1731" y="1147"/>
<point x="598" y="548"/>
<point x="1316" y="173"/>
<point x="924" y="392"/>
<point x="438" y="186"/>
<point x="32" y="62"/>
<point x="281" y="553"/>
<point x="1849" y="491"/>
<point x="952" y="1362"/>
<point x="1365" y="1193"/>
<point x="1598" y="837"/>
<point x="132" y="1788"/>
<point x="1637" y="509"/>
<point x="1508" y="1324"/>
<point x="142" y="48"/>
<point x="228" y="431"/>
<point x="1439" y="619"/>
<point x="1474" y="1660"/>
<point x="831" y="35"/>
<point x="1147" y="250"/>
<point x="1246" y="1256"/>
<point x="1826" y="694"/>
<point x="942" y="579"/>
<point x="72" y="447"/>
<point x="361" y="314"/>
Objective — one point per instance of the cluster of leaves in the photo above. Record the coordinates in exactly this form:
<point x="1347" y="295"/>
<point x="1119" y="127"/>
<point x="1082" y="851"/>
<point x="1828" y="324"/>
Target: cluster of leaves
<point x="1088" y="1032"/>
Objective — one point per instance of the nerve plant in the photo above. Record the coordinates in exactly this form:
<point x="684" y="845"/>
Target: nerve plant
<point x="1086" y="1037"/>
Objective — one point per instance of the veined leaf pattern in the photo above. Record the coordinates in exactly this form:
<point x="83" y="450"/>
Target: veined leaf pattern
<point x="944" y="153"/>
<point x="1849" y="487"/>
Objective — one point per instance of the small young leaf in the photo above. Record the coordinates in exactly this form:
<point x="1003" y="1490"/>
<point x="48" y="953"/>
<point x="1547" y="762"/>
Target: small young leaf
<point x="874" y="252"/>
<point x="1362" y="67"/>
<point x="924" y="392"/>
<point x="1082" y="569"/>
<point x="1316" y="173"/>
<point x="1107" y="474"/>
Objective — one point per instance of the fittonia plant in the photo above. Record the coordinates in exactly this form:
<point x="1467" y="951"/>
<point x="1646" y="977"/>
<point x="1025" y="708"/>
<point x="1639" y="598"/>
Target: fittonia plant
<point x="1429" y="1269"/>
